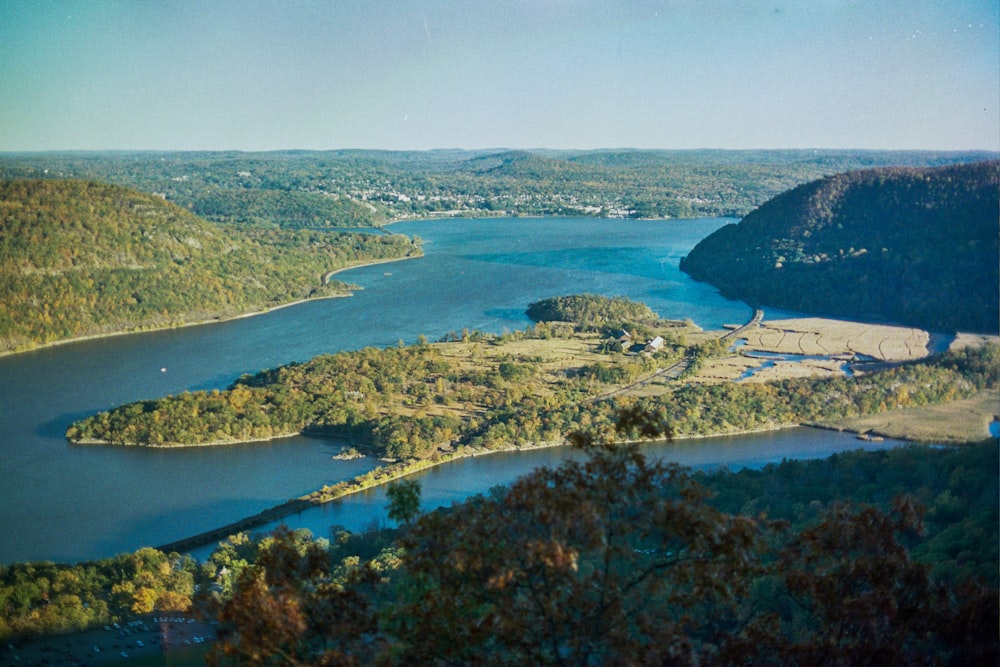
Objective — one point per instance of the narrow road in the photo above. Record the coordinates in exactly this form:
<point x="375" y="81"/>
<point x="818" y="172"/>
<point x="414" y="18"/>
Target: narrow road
<point x="758" y="316"/>
<point x="674" y="371"/>
<point x="671" y="372"/>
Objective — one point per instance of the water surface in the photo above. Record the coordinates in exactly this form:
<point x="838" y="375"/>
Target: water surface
<point x="66" y="503"/>
<point x="455" y="481"/>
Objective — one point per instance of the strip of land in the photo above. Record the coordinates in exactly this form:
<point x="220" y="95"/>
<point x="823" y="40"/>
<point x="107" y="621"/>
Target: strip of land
<point x="956" y="422"/>
<point x="842" y="342"/>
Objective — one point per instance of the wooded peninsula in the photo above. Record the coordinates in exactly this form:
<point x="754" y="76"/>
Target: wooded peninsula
<point x="81" y="258"/>
<point x="487" y="391"/>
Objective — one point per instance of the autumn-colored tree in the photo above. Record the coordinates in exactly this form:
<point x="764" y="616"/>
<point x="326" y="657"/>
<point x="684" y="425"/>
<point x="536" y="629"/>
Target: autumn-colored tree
<point x="290" y="608"/>
<point x="612" y="560"/>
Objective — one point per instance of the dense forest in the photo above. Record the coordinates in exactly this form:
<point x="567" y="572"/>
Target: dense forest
<point x="80" y="258"/>
<point x="882" y="557"/>
<point x="592" y="312"/>
<point x="352" y="188"/>
<point x="914" y="246"/>
<point x="620" y="560"/>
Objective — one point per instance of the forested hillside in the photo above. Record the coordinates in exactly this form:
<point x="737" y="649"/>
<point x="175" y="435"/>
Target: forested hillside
<point x="82" y="258"/>
<point x="914" y="246"/>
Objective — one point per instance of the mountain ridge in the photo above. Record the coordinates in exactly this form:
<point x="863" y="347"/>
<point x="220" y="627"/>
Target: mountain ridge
<point x="917" y="246"/>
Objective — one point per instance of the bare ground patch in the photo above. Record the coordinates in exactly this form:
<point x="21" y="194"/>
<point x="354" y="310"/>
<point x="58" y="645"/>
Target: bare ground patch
<point x="816" y="336"/>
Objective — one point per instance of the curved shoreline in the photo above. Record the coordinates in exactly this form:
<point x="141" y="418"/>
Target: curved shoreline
<point x="215" y="320"/>
<point x="392" y="472"/>
<point x="376" y="477"/>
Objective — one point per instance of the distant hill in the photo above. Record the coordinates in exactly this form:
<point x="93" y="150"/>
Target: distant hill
<point x="917" y="246"/>
<point x="365" y="188"/>
<point x="81" y="258"/>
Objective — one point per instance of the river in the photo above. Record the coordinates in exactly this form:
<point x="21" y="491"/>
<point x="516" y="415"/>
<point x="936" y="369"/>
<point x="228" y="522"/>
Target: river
<point x="67" y="503"/>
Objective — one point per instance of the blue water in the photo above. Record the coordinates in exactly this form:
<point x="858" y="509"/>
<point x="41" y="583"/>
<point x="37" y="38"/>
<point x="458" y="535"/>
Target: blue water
<point x="456" y="481"/>
<point x="66" y="503"/>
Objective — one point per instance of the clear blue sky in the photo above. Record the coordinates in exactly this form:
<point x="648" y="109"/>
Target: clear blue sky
<point x="412" y="74"/>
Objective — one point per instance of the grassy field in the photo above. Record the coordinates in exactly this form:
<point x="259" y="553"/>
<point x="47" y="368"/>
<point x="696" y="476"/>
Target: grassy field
<point x="947" y="423"/>
<point x="960" y="421"/>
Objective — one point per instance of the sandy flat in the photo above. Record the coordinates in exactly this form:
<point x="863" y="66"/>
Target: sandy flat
<point x="838" y="340"/>
<point x="815" y="335"/>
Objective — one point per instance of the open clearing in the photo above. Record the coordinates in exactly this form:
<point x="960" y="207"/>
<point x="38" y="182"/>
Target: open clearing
<point x="967" y="420"/>
<point x="816" y="336"/>
<point x="838" y="341"/>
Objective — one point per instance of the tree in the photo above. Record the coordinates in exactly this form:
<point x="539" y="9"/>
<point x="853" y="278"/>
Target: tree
<point x="289" y="608"/>
<point x="404" y="501"/>
<point x="860" y="599"/>
<point x="612" y="560"/>
<point x="615" y="560"/>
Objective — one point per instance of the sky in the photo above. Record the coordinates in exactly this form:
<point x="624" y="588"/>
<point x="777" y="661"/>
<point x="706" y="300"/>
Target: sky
<point x="424" y="74"/>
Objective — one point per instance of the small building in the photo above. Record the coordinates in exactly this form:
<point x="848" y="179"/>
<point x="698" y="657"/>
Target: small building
<point x="654" y="345"/>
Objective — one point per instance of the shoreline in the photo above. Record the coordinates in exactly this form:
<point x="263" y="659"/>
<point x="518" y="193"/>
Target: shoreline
<point x="386" y="474"/>
<point x="375" y="262"/>
<point x="393" y="471"/>
<point x="94" y="442"/>
<point x="389" y="471"/>
<point x="215" y="320"/>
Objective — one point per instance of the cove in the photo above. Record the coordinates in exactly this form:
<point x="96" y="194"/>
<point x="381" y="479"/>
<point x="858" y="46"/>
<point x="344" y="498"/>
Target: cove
<point x="68" y="503"/>
<point x="456" y="481"/>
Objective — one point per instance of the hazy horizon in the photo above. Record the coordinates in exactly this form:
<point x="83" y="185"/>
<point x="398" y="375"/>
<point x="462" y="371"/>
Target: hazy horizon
<point x="186" y="75"/>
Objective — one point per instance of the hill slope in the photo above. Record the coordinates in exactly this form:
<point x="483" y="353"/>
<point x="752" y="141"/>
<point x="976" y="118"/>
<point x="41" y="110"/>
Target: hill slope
<point x="82" y="258"/>
<point x="916" y="246"/>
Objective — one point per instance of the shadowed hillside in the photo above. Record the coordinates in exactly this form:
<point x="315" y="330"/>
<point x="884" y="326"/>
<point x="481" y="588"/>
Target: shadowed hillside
<point x="916" y="246"/>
